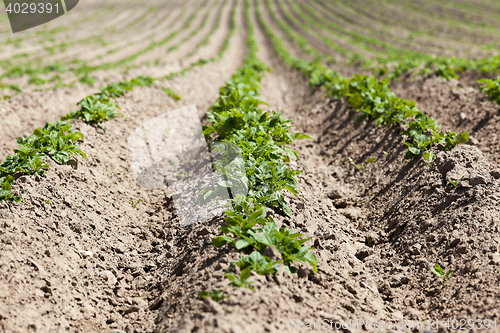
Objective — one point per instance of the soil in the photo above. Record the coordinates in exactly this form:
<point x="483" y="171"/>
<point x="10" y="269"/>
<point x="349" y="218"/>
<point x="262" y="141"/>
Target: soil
<point x="87" y="250"/>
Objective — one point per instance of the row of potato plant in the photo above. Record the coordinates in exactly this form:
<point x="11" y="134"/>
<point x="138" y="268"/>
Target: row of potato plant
<point x="59" y="141"/>
<point x="264" y="141"/>
<point x="373" y="99"/>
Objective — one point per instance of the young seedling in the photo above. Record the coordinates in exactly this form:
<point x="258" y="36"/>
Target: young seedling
<point x="216" y="295"/>
<point x="171" y="93"/>
<point x="361" y="167"/>
<point x="135" y="203"/>
<point x="429" y="159"/>
<point x="242" y="280"/>
<point x="440" y="272"/>
<point x="456" y="182"/>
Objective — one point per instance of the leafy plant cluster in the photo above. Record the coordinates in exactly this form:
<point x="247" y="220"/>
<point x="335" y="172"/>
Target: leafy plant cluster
<point x="373" y="100"/>
<point x="491" y="88"/>
<point x="171" y="93"/>
<point x="100" y="107"/>
<point x="56" y="141"/>
<point x="216" y="295"/>
<point x="264" y="141"/>
<point x="445" y="67"/>
<point x="34" y="72"/>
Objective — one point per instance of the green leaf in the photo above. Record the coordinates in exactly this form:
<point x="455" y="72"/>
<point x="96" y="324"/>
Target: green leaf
<point x="463" y="137"/>
<point x="5" y="193"/>
<point x="437" y="270"/>
<point x="242" y="243"/>
<point x="311" y="259"/>
<point x="245" y="274"/>
<point x="220" y="241"/>
<point x="414" y="150"/>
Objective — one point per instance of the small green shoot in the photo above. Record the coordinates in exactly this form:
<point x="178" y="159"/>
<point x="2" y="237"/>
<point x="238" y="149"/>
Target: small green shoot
<point x="135" y="203"/>
<point x="242" y="280"/>
<point x="440" y="272"/>
<point x="216" y="295"/>
<point x="456" y="182"/>
<point x="385" y="153"/>
<point x="361" y="167"/>
<point x="171" y="93"/>
<point x="429" y="159"/>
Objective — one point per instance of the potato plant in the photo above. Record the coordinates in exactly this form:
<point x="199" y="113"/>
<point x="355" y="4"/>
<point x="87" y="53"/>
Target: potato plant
<point x="100" y="107"/>
<point x="56" y="141"/>
<point x="436" y="269"/>
<point x="491" y="88"/>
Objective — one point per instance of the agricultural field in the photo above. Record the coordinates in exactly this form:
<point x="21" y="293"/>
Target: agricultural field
<point x="367" y="135"/>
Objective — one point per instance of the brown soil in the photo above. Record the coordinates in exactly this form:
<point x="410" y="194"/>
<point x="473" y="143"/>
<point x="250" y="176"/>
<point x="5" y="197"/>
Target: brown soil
<point x="77" y="255"/>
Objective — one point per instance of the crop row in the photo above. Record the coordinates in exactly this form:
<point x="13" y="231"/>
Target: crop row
<point x="373" y="100"/>
<point x="59" y="141"/>
<point x="264" y="142"/>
